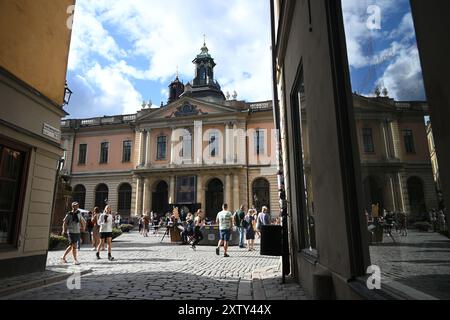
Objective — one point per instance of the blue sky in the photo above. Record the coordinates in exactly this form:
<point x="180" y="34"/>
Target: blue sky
<point x="127" y="51"/>
<point x="385" y="57"/>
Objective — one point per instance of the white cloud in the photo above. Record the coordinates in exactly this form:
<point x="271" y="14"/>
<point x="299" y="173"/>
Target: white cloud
<point x="114" y="90"/>
<point x="399" y="63"/>
<point x="403" y="76"/>
<point x="165" y="34"/>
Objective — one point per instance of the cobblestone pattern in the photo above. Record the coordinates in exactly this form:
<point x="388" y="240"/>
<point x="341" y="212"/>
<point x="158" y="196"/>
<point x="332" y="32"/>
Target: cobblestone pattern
<point x="421" y="261"/>
<point x="144" y="268"/>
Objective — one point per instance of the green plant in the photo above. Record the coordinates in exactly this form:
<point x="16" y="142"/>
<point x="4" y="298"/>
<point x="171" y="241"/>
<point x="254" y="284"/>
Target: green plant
<point x="116" y="233"/>
<point x="57" y="242"/>
<point x="126" y="227"/>
<point x="422" y="226"/>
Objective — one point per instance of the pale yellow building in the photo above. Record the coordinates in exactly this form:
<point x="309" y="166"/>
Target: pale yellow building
<point x="200" y="150"/>
<point x="34" y="47"/>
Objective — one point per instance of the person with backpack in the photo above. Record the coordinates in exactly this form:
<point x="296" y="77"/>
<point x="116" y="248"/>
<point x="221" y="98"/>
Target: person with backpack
<point x="74" y="224"/>
<point x="239" y="216"/>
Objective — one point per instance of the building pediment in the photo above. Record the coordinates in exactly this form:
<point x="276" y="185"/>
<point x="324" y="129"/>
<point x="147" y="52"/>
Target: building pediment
<point x="185" y="107"/>
<point x="186" y="110"/>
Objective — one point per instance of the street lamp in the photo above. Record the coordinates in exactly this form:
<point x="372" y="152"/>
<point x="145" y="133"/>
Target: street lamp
<point x="67" y="95"/>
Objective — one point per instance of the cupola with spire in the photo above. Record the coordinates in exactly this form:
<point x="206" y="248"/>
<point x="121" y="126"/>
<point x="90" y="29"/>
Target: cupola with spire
<point x="204" y="86"/>
<point x="176" y="89"/>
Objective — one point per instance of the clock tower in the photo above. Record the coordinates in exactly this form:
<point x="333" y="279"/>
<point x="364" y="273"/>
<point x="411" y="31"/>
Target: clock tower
<point x="204" y="86"/>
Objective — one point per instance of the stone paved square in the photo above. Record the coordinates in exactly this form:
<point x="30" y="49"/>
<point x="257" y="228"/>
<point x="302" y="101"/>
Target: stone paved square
<point x="145" y="268"/>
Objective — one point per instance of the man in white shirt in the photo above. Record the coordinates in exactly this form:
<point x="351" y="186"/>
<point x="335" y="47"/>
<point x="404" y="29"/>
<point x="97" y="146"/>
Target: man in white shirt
<point x="225" y="221"/>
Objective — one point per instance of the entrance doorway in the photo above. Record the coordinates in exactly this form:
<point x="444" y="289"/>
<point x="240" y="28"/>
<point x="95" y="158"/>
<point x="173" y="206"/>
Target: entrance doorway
<point x="261" y="194"/>
<point x="417" y="199"/>
<point x="214" y="198"/>
<point x="160" y="198"/>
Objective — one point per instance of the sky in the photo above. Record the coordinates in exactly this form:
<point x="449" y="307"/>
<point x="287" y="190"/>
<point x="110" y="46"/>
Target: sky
<point x="386" y="54"/>
<point x="124" y="52"/>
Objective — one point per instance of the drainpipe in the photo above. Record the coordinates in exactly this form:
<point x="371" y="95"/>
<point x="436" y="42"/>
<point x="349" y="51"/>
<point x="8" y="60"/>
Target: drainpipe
<point x="281" y="188"/>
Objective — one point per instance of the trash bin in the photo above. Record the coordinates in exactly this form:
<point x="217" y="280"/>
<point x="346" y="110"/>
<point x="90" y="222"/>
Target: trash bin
<point x="271" y="240"/>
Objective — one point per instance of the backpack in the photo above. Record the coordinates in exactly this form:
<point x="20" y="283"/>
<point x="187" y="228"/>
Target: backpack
<point x="238" y="221"/>
<point x="245" y="224"/>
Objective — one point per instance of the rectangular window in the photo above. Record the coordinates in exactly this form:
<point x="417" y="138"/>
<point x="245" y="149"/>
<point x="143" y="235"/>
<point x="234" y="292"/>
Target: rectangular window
<point x="409" y="141"/>
<point x="402" y="208"/>
<point x="186" y="151"/>
<point x="259" y="142"/>
<point x="12" y="164"/>
<point x="368" y="140"/>
<point x="161" y="148"/>
<point x="82" y="154"/>
<point x="302" y="158"/>
<point x="126" y="151"/>
<point x="186" y="187"/>
<point x="213" y="145"/>
<point x="104" y="152"/>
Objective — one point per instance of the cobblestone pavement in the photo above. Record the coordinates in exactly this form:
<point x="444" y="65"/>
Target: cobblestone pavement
<point x="145" y="268"/>
<point x="420" y="261"/>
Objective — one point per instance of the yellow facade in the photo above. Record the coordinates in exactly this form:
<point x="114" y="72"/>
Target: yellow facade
<point x="34" y="43"/>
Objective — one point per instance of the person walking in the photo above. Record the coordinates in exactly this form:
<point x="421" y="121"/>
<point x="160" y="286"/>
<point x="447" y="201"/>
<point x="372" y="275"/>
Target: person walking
<point x="225" y="221"/>
<point x="248" y="225"/>
<point x="238" y="219"/>
<point x="118" y="220"/>
<point x="89" y="225"/>
<point x="95" y="229"/>
<point x="141" y="225"/>
<point x="73" y="223"/>
<point x="263" y="218"/>
<point x="106" y="225"/>
<point x="188" y="230"/>
<point x="146" y="225"/>
<point x="199" y="223"/>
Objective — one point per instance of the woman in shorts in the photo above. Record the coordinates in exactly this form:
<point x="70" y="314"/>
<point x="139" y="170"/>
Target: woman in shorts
<point x="106" y="225"/>
<point x="96" y="229"/>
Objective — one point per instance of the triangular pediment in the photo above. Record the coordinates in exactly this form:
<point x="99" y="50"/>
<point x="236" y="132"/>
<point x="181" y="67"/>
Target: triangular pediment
<point x="185" y="107"/>
<point x="369" y="104"/>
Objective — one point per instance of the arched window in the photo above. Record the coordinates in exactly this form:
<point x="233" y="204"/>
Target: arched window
<point x="261" y="194"/>
<point x="79" y="195"/>
<point x="101" y="196"/>
<point x="124" y="203"/>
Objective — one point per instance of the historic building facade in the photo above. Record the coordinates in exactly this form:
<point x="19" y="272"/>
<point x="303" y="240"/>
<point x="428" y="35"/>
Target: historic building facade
<point x="34" y="48"/>
<point x="343" y="152"/>
<point x="395" y="161"/>
<point x="200" y="150"/>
